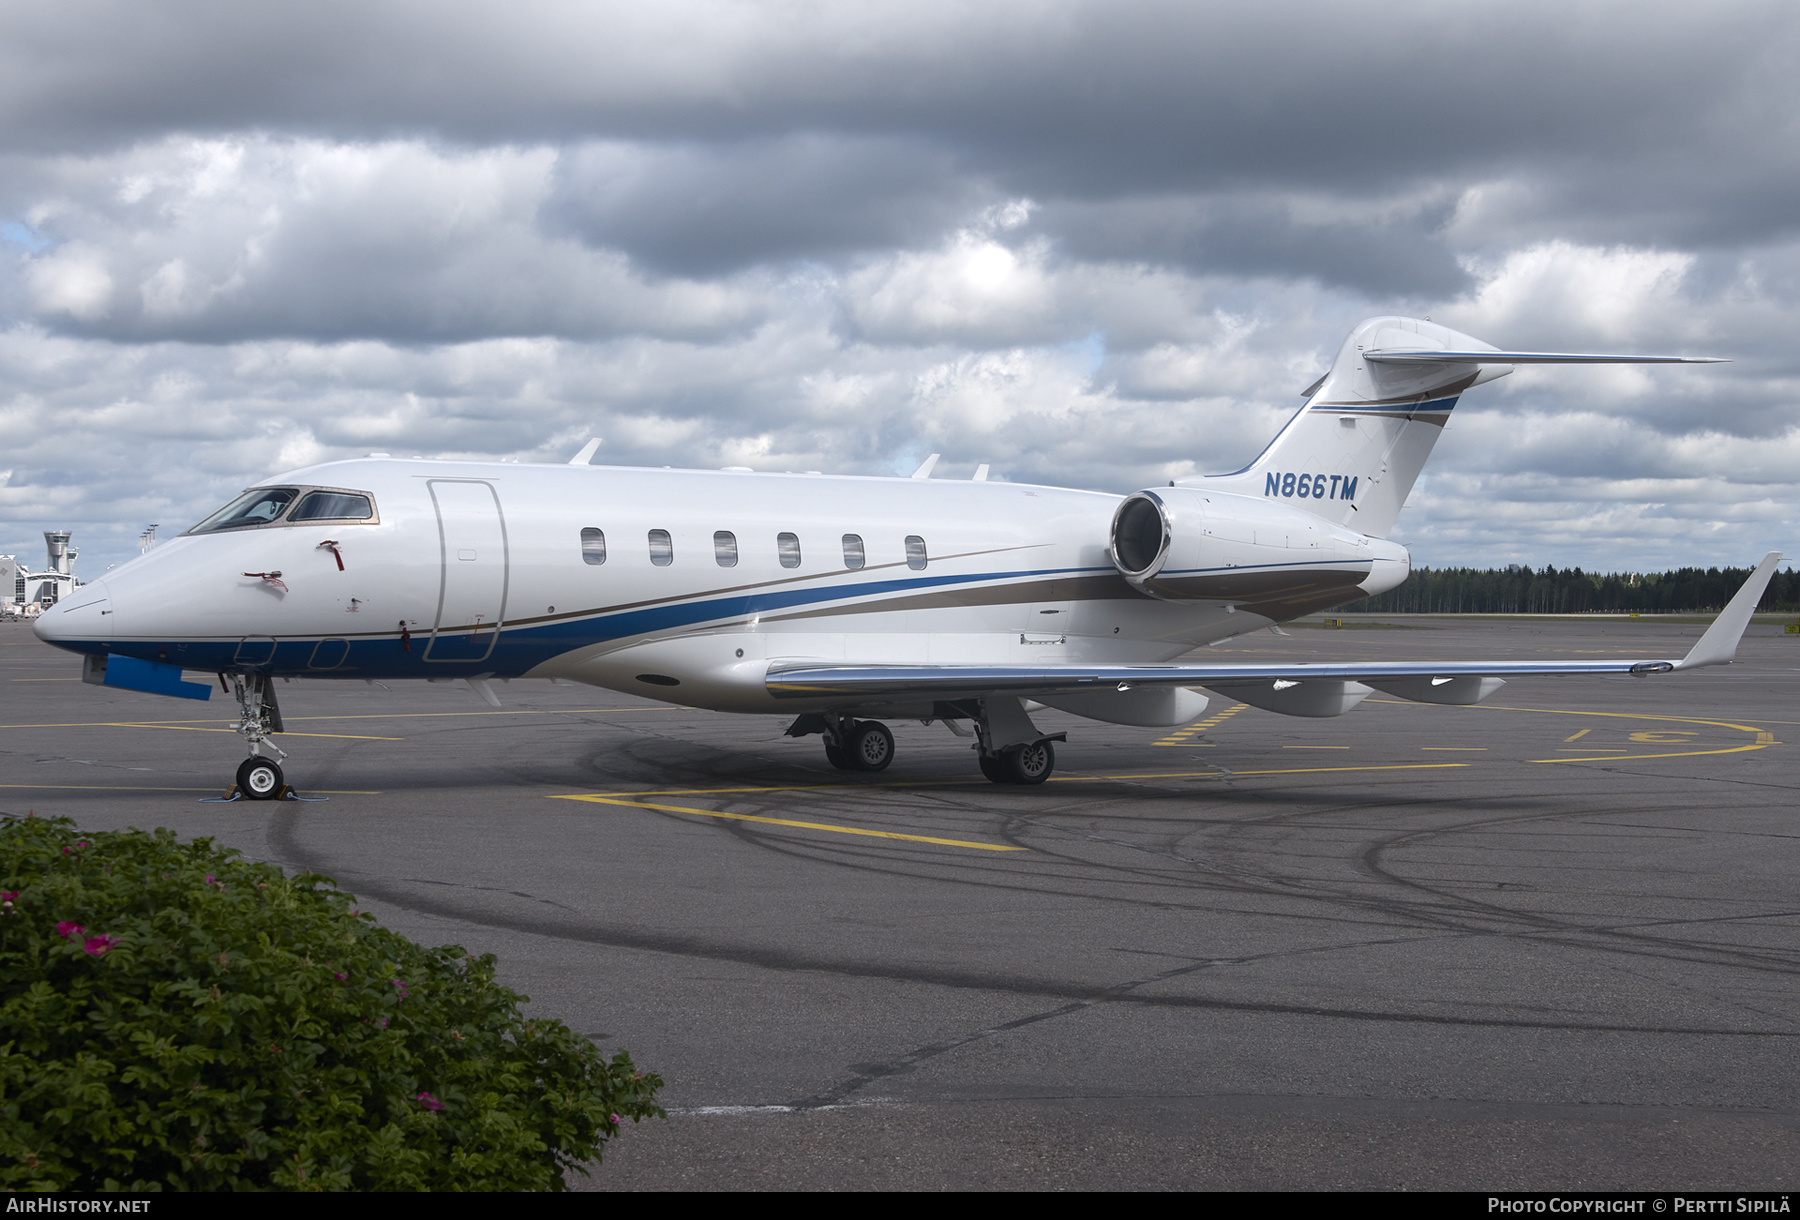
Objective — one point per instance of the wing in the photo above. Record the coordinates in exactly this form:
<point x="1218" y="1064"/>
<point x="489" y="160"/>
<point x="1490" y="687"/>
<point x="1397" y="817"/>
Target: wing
<point x="807" y="680"/>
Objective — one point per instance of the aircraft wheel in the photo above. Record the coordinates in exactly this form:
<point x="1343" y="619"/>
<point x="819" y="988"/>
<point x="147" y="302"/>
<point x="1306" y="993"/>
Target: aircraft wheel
<point x="259" y="779"/>
<point x="994" y="768"/>
<point x="837" y="758"/>
<point x="1030" y="764"/>
<point x="871" y="746"/>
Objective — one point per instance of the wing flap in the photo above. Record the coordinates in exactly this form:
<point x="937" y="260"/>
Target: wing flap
<point x="960" y="681"/>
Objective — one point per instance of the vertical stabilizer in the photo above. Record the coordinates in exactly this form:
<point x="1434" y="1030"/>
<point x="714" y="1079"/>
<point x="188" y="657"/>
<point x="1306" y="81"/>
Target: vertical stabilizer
<point x="1353" y="452"/>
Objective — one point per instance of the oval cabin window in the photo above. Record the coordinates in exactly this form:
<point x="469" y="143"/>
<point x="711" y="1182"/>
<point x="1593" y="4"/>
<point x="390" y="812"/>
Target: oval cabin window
<point x="788" y="547"/>
<point x="915" y="552"/>
<point x="662" y="550"/>
<point x="853" y="552"/>
<point x="593" y="546"/>
<point x="725" y="548"/>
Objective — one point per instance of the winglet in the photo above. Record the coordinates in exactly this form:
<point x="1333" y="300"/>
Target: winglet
<point x="1719" y="645"/>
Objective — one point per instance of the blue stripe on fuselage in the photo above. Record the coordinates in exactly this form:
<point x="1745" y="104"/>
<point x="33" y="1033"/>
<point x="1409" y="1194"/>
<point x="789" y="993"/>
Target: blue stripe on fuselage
<point x="522" y="649"/>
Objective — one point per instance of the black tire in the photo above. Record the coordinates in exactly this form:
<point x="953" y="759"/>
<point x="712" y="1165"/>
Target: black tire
<point x="871" y="746"/>
<point x="837" y="758"/>
<point x="994" y="768"/>
<point x="259" y="779"/>
<point x="1031" y="764"/>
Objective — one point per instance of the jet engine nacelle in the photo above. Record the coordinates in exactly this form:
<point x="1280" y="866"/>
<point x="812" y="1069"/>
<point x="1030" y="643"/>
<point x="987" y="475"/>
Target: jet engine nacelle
<point x="1189" y="544"/>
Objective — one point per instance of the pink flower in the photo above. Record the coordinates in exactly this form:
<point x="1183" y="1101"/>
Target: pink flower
<point x="339" y="974"/>
<point x="429" y="1102"/>
<point x="402" y="987"/>
<point x="7" y="896"/>
<point x="97" y="945"/>
<point x="68" y="928"/>
<point x="615" y="1119"/>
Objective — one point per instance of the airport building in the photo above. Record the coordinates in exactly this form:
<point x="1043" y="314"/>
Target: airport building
<point x="24" y="593"/>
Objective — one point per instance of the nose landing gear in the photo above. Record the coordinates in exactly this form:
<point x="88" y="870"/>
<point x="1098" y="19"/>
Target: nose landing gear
<point x="258" y="778"/>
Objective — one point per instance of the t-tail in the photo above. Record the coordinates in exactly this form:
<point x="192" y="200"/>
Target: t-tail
<point x="1353" y="452"/>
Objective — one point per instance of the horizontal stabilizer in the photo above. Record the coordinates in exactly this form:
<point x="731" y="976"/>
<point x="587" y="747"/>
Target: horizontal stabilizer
<point x="1391" y="355"/>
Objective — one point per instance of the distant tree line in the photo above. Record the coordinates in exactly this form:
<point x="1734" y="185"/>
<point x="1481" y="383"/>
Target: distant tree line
<point x="1519" y="590"/>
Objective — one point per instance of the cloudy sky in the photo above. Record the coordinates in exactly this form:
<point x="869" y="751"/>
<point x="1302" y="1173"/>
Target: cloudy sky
<point x="1093" y="244"/>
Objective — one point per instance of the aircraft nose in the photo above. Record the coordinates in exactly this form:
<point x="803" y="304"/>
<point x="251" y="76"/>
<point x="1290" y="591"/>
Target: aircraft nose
<point x="84" y="615"/>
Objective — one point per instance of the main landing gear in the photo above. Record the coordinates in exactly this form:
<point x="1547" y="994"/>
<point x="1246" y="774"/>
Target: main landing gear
<point x="1026" y="764"/>
<point x="1008" y="747"/>
<point x="853" y="745"/>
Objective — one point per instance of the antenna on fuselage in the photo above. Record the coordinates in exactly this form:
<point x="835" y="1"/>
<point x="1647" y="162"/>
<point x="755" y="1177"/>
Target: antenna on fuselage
<point x="587" y="453"/>
<point x="924" y="470"/>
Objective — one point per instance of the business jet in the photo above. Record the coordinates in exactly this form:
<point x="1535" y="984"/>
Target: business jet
<point x="842" y="602"/>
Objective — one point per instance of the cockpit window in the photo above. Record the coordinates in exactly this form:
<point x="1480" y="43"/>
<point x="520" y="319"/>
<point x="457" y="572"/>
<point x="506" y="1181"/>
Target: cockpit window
<point x="258" y="506"/>
<point x="262" y="506"/>
<point x="333" y="506"/>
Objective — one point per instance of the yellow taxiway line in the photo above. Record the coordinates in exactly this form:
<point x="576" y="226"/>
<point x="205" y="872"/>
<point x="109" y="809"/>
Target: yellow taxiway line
<point x="960" y="783"/>
<point x="149" y="788"/>
<point x="1233" y="774"/>
<point x="160" y="724"/>
<point x="750" y="817"/>
<point x="1764" y="738"/>
<point x="194" y="728"/>
<point x="634" y="800"/>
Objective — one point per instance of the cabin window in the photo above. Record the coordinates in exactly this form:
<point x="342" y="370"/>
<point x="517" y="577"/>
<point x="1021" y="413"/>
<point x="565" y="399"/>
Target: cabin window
<point x="915" y="552"/>
<point x="725" y="548"/>
<point x="662" y="550"/>
<point x="333" y="506"/>
<point x="788" y="547"/>
<point x="593" y="546"/>
<point x="853" y="552"/>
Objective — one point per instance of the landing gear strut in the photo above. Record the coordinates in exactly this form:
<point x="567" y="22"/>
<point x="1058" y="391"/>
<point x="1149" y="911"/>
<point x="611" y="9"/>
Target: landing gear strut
<point x="258" y="778"/>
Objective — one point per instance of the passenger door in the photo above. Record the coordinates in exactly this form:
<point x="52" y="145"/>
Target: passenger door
<point x="472" y="590"/>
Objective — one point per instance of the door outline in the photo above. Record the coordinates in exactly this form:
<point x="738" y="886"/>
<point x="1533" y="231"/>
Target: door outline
<point x="445" y="559"/>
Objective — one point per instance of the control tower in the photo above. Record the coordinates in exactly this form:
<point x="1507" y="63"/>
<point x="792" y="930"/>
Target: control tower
<point x="56" y="542"/>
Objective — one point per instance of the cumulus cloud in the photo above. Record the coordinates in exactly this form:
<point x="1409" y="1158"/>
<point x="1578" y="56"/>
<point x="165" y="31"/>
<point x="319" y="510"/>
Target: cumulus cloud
<point x="223" y="239"/>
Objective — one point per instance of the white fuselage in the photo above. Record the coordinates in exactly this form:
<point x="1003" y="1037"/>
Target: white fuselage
<point x="476" y="570"/>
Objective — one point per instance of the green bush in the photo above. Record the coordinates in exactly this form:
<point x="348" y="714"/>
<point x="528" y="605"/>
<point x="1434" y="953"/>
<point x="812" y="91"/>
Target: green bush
<point x="175" y="1017"/>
